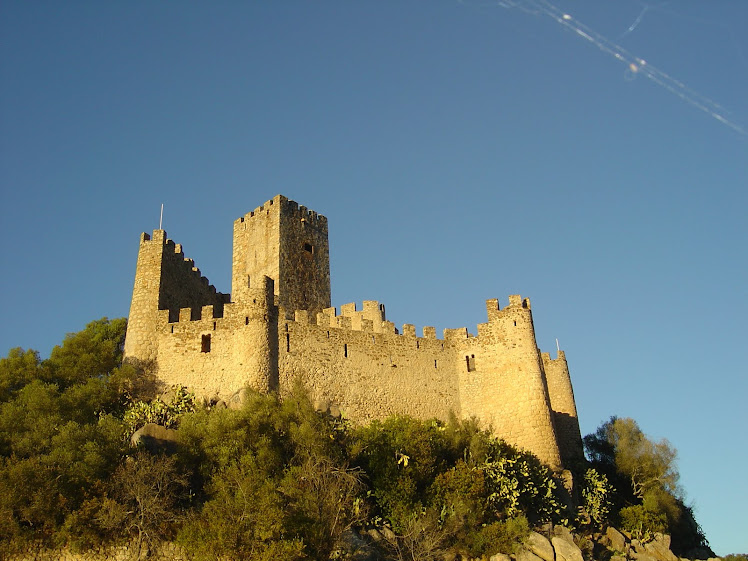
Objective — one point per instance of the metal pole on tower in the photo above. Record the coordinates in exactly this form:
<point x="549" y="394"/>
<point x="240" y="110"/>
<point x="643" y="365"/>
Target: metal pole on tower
<point x="161" y="218"/>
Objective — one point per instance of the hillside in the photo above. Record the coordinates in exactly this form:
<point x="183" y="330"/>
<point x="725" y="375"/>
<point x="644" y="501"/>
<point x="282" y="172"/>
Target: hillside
<point x="275" y="478"/>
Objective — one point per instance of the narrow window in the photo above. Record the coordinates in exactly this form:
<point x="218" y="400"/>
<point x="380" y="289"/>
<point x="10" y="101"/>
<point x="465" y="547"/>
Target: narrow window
<point x="345" y="350"/>
<point x="214" y="326"/>
<point x="205" y="347"/>
<point x="328" y="334"/>
<point x="470" y="363"/>
<point x="288" y="343"/>
<point x="172" y="329"/>
<point x="309" y="248"/>
<point x="418" y="344"/>
<point x="515" y="324"/>
<point x="246" y="320"/>
<point x="434" y="363"/>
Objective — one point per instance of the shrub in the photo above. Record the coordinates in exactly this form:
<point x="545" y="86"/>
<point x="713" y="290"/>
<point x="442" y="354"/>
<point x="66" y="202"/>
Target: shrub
<point x="160" y="412"/>
<point x="596" y="497"/>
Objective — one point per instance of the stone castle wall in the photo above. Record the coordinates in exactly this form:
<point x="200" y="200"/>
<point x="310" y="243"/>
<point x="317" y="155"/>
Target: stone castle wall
<point x="278" y="327"/>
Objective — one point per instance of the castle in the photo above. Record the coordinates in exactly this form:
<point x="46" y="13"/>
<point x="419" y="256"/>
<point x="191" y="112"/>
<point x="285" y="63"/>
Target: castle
<point x="277" y="326"/>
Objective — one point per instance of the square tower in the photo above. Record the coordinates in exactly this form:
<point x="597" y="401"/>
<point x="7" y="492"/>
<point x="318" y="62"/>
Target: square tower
<point x="287" y="243"/>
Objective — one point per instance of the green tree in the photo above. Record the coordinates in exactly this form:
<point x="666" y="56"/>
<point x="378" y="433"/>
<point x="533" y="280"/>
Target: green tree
<point x="59" y="434"/>
<point x="645" y="474"/>
<point x="16" y="370"/>
<point x="90" y="353"/>
<point x="144" y="500"/>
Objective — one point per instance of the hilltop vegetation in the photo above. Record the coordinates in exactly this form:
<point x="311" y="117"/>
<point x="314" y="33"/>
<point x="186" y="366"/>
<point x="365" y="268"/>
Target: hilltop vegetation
<point x="277" y="479"/>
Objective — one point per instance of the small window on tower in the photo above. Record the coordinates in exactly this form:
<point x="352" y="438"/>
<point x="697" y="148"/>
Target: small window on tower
<point x="309" y="247"/>
<point x="470" y="363"/>
<point x="205" y="347"/>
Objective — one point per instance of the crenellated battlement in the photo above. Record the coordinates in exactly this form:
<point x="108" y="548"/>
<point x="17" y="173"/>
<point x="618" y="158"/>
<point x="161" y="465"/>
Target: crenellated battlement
<point x="281" y="327"/>
<point x="174" y="253"/>
<point x="282" y="205"/>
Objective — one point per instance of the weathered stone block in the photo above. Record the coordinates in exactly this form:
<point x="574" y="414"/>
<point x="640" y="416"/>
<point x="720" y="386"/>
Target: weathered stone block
<point x="525" y="555"/>
<point x="566" y="551"/>
<point x="540" y="546"/>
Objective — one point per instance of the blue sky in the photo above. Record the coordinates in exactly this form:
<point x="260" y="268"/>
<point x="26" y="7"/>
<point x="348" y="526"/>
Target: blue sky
<point x="460" y="150"/>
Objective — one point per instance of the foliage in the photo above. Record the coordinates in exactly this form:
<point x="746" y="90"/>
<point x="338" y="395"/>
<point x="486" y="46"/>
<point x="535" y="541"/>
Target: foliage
<point x="60" y="437"/>
<point x="402" y="457"/>
<point x="642" y="522"/>
<point x="277" y="484"/>
<point x="17" y="370"/>
<point x="144" y="495"/>
<point x="647" y="499"/>
<point x="505" y="536"/>
<point x="596" y="497"/>
<point x="452" y="484"/>
<point x="159" y="411"/>
<point x="519" y="483"/>
<point x="276" y="479"/>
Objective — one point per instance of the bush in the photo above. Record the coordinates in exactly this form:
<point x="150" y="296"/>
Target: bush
<point x="596" y="497"/>
<point x="158" y="411"/>
<point x="506" y="536"/>
<point x="518" y="483"/>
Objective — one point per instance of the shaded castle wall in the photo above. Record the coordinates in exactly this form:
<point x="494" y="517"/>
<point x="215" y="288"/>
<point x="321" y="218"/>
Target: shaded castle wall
<point x="564" y="408"/>
<point x="363" y="367"/>
<point x="164" y="280"/>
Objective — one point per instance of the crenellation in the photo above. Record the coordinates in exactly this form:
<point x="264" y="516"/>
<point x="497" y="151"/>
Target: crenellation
<point x="455" y="334"/>
<point x="281" y="327"/>
<point x="515" y="300"/>
<point x="348" y="309"/>
<point x="206" y="312"/>
<point x="409" y="330"/>
<point x="492" y="309"/>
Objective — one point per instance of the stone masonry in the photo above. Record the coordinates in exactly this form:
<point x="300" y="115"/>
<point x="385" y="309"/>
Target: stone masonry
<point x="277" y="326"/>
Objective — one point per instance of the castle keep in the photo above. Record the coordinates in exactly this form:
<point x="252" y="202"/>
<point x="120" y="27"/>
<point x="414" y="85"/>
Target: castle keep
<point x="277" y="326"/>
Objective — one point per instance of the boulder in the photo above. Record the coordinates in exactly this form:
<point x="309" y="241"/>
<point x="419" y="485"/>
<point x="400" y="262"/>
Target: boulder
<point x="236" y="400"/>
<point x="525" y="555"/>
<point x="540" y="546"/>
<point x="660" y="548"/>
<point x="566" y="551"/>
<point x="564" y="533"/>
<point x="155" y="438"/>
<point x="615" y="540"/>
<point x="500" y="557"/>
<point x="644" y="557"/>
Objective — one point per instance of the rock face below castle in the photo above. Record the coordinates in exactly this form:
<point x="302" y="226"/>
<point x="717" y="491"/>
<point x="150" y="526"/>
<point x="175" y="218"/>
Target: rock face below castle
<point x="277" y="326"/>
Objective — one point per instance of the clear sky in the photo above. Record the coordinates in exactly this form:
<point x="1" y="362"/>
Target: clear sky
<point x="589" y="154"/>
